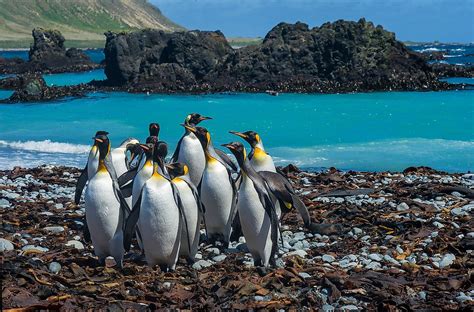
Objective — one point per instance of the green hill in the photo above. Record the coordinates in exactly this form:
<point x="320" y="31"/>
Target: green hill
<point x="82" y="22"/>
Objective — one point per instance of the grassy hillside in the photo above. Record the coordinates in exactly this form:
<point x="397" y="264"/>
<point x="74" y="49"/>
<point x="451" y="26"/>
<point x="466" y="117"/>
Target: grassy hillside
<point x="80" y="21"/>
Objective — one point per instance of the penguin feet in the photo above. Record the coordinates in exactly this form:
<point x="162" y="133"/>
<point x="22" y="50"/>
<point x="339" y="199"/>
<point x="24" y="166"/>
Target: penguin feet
<point x="263" y="271"/>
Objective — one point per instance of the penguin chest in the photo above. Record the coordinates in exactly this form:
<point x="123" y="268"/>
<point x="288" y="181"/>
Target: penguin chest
<point x="102" y="207"/>
<point x="159" y="219"/>
<point x="192" y="155"/>
<point x="251" y="211"/>
<point x="261" y="161"/>
<point x="143" y="175"/>
<point x="216" y="195"/>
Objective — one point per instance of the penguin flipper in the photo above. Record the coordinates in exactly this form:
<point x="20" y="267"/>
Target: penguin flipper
<point x="302" y="209"/>
<point x="227" y="161"/>
<point x="233" y="208"/>
<point x="118" y="193"/>
<point x="127" y="177"/>
<point x="85" y="232"/>
<point x="179" y="203"/>
<point x="175" y="156"/>
<point x="202" y="209"/>
<point x="81" y="183"/>
<point x="131" y="223"/>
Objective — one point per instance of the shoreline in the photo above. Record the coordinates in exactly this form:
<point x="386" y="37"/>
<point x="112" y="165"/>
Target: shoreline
<point x="405" y="242"/>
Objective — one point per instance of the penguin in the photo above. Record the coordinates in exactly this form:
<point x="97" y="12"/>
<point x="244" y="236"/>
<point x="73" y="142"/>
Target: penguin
<point x="189" y="150"/>
<point x="158" y="215"/>
<point x="216" y="189"/>
<point x="259" y="159"/>
<point x="90" y="169"/>
<point x="105" y="207"/>
<point x="144" y="172"/>
<point x="192" y="208"/>
<point x="258" y="217"/>
<point x="119" y="156"/>
<point x="154" y="129"/>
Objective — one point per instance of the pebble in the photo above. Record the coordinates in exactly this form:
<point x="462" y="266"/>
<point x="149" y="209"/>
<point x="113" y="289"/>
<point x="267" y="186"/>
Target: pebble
<point x="213" y="250"/>
<point x="349" y="307"/>
<point x="301" y="253"/>
<point x="374" y="265"/>
<point x="54" y="267"/>
<point x="458" y="212"/>
<point x="198" y="265"/>
<point x="6" y="245"/>
<point x="110" y="262"/>
<point x="54" y="229"/>
<point x="422" y="295"/>
<point x="46" y="213"/>
<point x="76" y="244"/>
<point x="356" y="231"/>
<point x="219" y="258"/>
<point x="304" y="275"/>
<point x="438" y="225"/>
<point x="375" y="257"/>
<point x="390" y="259"/>
<point x="328" y="308"/>
<point x="402" y="207"/>
<point x="462" y="297"/>
<point x="167" y="285"/>
<point x="447" y="260"/>
<point x="328" y="258"/>
<point x="39" y="248"/>
<point x="59" y="206"/>
<point x="4" y="203"/>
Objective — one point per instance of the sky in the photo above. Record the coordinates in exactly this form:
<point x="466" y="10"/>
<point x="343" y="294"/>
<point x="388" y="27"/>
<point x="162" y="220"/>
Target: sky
<point x="416" y="20"/>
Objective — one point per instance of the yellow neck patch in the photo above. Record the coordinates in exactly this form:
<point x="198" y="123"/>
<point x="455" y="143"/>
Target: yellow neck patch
<point x="259" y="154"/>
<point x="101" y="167"/>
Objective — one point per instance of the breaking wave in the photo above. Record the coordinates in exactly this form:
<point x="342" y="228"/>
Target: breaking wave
<point x="46" y="146"/>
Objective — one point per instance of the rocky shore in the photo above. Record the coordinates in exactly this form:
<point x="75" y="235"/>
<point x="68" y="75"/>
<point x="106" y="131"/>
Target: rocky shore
<point x="406" y="244"/>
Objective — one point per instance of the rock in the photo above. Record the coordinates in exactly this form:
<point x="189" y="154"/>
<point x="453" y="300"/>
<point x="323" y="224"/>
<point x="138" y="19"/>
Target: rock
<point x="167" y="285"/>
<point x="376" y="257"/>
<point x="198" y="265"/>
<point x="458" y="212"/>
<point x="4" y="203"/>
<point x="349" y="307"/>
<point x="438" y="225"/>
<point x="374" y="265"/>
<point x="422" y="295"/>
<point x="110" y="262"/>
<point x="6" y="245"/>
<point x="76" y="244"/>
<point x="59" y="206"/>
<point x="54" y="229"/>
<point x="219" y="258"/>
<point x="300" y="253"/>
<point x="447" y="260"/>
<point x="36" y="248"/>
<point x="213" y="250"/>
<point x="402" y="207"/>
<point x="462" y="297"/>
<point x="327" y="308"/>
<point x="54" y="267"/>
<point x="328" y="258"/>
<point x="304" y="275"/>
<point x="339" y="56"/>
<point x="356" y="231"/>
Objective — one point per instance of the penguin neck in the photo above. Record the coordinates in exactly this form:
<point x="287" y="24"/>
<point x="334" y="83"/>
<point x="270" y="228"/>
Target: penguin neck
<point x="247" y="168"/>
<point x="210" y="153"/>
<point x="102" y="167"/>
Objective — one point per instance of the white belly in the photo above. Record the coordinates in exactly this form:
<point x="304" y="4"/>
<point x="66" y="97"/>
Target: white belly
<point x="159" y="223"/>
<point x="256" y="225"/>
<point x="216" y="195"/>
<point x="140" y="179"/>
<point x="192" y="154"/>
<point x="104" y="217"/>
<point x="263" y="163"/>
<point x="193" y="218"/>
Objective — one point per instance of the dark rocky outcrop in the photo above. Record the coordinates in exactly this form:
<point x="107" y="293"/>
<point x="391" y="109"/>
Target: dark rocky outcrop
<point x="335" y="57"/>
<point x="48" y="54"/>
<point x="449" y="70"/>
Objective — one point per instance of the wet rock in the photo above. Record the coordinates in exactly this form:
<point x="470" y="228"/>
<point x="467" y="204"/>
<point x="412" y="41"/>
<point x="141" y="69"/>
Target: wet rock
<point x="76" y="244"/>
<point x="403" y="207"/>
<point x="6" y="245"/>
<point x="54" y="229"/>
<point x="328" y="258"/>
<point x="199" y="265"/>
<point x="54" y="267"/>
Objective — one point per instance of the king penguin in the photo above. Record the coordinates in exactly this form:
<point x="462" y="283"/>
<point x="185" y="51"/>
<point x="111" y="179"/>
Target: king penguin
<point x="192" y="209"/>
<point x="189" y="150"/>
<point x="105" y="207"/>
<point x="217" y="190"/>
<point x="257" y="213"/>
<point x="119" y="156"/>
<point x="259" y="159"/>
<point x="157" y="213"/>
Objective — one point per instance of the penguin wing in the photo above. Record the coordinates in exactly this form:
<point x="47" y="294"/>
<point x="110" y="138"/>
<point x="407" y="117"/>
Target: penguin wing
<point x="227" y="161"/>
<point x="283" y="190"/>
<point x="118" y="193"/>
<point x="201" y="207"/>
<point x="127" y="190"/>
<point x="263" y="194"/>
<point x="131" y="223"/>
<point x="179" y="203"/>
<point x="233" y="208"/>
<point x="81" y="183"/>
<point x="175" y="156"/>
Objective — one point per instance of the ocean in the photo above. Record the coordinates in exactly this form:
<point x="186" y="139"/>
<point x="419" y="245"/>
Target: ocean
<point x="363" y="131"/>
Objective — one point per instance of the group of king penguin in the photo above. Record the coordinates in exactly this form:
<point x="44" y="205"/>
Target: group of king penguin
<point x="134" y="190"/>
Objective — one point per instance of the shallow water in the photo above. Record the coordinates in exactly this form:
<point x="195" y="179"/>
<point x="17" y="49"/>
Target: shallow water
<point x="366" y="131"/>
<point x="69" y="79"/>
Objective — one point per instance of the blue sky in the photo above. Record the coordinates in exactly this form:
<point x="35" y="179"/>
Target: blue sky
<point x="418" y="20"/>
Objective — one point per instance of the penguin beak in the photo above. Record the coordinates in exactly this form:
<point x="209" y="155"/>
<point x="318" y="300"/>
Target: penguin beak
<point x="144" y="147"/>
<point x="240" y="134"/>
<point x="193" y="130"/>
<point x="154" y="126"/>
<point x="229" y="146"/>
<point x="204" y="118"/>
<point x="99" y="140"/>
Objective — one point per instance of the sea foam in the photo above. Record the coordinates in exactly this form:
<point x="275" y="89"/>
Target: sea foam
<point x="46" y="146"/>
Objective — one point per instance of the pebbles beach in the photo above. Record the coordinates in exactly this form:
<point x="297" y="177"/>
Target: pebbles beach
<point x="400" y="241"/>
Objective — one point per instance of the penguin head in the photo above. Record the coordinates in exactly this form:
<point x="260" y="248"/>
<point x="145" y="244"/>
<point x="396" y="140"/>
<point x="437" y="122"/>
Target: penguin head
<point x="128" y="141"/>
<point x="238" y="150"/>
<point x="159" y="154"/>
<point x="194" y="119"/>
<point x="154" y="129"/>
<point x="177" y="170"/>
<point x="101" y="140"/>
<point x="152" y="140"/>
<point x="251" y="137"/>
<point x="202" y="134"/>
<point x="135" y="150"/>
<point x="148" y="150"/>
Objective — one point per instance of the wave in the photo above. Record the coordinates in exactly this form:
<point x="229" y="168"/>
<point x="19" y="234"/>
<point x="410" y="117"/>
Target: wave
<point x="46" y="146"/>
<point x="455" y="55"/>
<point x="429" y="50"/>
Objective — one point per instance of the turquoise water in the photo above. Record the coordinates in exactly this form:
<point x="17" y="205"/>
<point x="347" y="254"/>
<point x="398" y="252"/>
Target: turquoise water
<point x="459" y="80"/>
<point x="5" y="94"/>
<point x="69" y="79"/>
<point x="96" y="55"/>
<point x="365" y="131"/>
